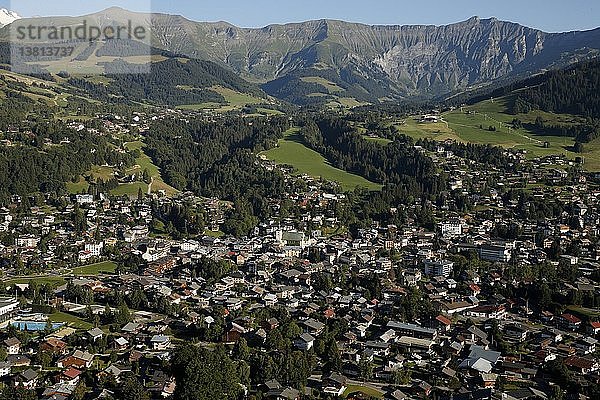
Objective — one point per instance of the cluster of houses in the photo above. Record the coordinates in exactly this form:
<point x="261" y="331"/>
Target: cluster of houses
<point x="468" y="334"/>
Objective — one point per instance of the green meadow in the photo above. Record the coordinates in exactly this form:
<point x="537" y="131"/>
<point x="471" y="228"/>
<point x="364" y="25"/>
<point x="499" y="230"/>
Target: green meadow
<point x="471" y="124"/>
<point x="107" y="267"/>
<point x="291" y="151"/>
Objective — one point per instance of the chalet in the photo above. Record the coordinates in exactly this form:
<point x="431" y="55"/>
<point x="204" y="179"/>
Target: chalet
<point x="455" y="307"/>
<point x="18" y="360"/>
<point x="442" y="324"/>
<point x="581" y="364"/>
<point x="543" y="356"/>
<point x="489" y="380"/>
<point x="474" y="289"/>
<point x="397" y="395"/>
<point x="487" y="312"/>
<point x="553" y="334"/>
<point x="415" y="345"/>
<point x="120" y="343"/>
<point x="313" y="326"/>
<point x="480" y="359"/>
<point x="388" y="335"/>
<point x="95" y="334"/>
<point x="569" y="321"/>
<point x="283" y="394"/>
<point x="565" y="350"/>
<point x="334" y="384"/>
<point x="546" y="317"/>
<point x="27" y="379"/>
<point x="54" y="346"/>
<point x="586" y="345"/>
<point x="412" y="330"/>
<point x="422" y="389"/>
<point x="4" y="368"/>
<point x="517" y="332"/>
<point x="58" y="391"/>
<point x="160" y="342"/>
<point x="131" y="328"/>
<point x="161" y="266"/>
<point x="304" y="342"/>
<point x="594" y="328"/>
<point x="69" y="376"/>
<point x="116" y="370"/>
<point x="12" y="345"/>
<point x="135" y="356"/>
<point x="271" y="324"/>
<point x="430" y="119"/>
<point x="378" y="348"/>
<point x="79" y="359"/>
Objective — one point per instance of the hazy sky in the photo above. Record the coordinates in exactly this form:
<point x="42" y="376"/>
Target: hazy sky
<point x="548" y="15"/>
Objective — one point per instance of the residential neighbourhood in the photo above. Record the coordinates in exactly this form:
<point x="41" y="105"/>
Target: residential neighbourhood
<point x="476" y="305"/>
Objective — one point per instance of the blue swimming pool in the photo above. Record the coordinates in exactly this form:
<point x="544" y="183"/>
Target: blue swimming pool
<point x="34" y="326"/>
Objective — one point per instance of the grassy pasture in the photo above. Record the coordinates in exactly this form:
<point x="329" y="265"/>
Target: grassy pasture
<point x="292" y="152"/>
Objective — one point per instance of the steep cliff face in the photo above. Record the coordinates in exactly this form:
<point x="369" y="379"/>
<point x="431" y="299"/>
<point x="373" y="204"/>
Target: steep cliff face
<point x="412" y="60"/>
<point x="322" y="59"/>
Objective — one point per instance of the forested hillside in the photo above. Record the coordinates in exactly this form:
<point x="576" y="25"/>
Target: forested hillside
<point x="217" y="159"/>
<point x="170" y="82"/>
<point x="569" y="91"/>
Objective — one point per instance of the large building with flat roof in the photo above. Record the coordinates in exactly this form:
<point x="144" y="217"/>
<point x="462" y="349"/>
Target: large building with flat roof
<point x="8" y="308"/>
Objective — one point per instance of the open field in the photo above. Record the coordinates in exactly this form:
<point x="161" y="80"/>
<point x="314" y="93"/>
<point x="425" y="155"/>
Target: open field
<point x="80" y="186"/>
<point x="368" y="391"/>
<point x="213" y="234"/>
<point x="130" y="189"/>
<point x="345" y="102"/>
<point x="203" y="106"/>
<point x="235" y="101"/>
<point x="268" y="111"/>
<point x="380" y="140"/>
<point x="292" y="152"/>
<point x="106" y="267"/>
<point x="142" y="163"/>
<point x="470" y="124"/>
<point x="236" y="98"/>
<point x="103" y="173"/>
<point x="70" y="320"/>
<point x="436" y="131"/>
<point x="333" y="90"/>
<point x="330" y="86"/>
<point x="96" y="173"/>
<point x="51" y="280"/>
<point x="584" y="312"/>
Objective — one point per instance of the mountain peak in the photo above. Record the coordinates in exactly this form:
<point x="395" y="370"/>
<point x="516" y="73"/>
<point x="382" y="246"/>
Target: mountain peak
<point x="8" y="16"/>
<point x="116" y="12"/>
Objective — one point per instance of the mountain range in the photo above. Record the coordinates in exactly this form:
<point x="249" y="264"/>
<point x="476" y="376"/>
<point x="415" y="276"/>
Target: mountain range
<point x="323" y="60"/>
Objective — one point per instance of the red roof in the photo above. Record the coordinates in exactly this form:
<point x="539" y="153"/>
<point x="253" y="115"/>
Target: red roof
<point x="72" y="373"/>
<point x="488" y="309"/>
<point x="571" y="318"/>
<point x="595" y="325"/>
<point x="475" y="288"/>
<point x="443" y="320"/>
<point x="579" y="362"/>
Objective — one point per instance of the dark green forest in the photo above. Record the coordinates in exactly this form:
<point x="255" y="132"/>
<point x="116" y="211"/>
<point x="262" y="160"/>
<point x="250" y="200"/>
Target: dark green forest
<point x="171" y="82"/>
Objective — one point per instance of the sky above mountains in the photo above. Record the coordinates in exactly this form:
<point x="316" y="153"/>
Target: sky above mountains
<point x="547" y="15"/>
